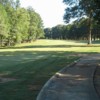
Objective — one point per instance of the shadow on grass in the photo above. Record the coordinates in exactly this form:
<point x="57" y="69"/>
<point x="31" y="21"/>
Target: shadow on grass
<point x="21" y="64"/>
<point x="31" y="69"/>
<point x="96" y="42"/>
<point x="51" y="46"/>
<point x="15" y="64"/>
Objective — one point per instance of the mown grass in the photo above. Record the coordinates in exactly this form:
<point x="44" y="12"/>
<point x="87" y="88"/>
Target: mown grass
<point x="32" y="64"/>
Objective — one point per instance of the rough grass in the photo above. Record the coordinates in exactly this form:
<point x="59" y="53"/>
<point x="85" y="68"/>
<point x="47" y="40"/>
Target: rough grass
<point x="27" y="67"/>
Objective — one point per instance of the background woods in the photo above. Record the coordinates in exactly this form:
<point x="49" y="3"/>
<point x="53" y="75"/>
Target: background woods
<point x="18" y="24"/>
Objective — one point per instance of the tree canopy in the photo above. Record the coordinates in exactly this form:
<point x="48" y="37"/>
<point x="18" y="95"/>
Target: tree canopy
<point x="79" y="9"/>
<point x="18" y="24"/>
<point x="97" y="11"/>
<point x="74" y="31"/>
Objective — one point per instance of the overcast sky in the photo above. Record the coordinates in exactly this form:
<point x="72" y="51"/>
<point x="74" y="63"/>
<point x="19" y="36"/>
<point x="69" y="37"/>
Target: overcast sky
<point x="51" y="11"/>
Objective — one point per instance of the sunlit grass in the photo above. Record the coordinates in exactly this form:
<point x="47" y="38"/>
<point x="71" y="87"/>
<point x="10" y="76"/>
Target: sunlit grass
<point x="55" y="45"/>
<point x="72" y="49"/>
<point x="32" y="64"/>
<point x="52" y="42"/>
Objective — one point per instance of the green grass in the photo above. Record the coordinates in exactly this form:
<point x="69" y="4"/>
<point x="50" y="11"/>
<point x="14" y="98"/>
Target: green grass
<point x="32" y="64"/>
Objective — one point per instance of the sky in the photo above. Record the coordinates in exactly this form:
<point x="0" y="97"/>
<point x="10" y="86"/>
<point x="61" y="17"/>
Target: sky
<point x="51" y="11"/>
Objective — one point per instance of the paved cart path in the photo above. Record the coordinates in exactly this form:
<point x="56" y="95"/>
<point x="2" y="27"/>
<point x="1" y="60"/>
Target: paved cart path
<point x="77" y="82"/>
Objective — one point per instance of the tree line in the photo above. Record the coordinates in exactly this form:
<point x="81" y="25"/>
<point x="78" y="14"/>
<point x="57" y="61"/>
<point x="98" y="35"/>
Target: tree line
<point x="17" y="24"/>
<point x="78" y="30"/>
<point x="87" y="23"/>
<point x="79" y="8"/>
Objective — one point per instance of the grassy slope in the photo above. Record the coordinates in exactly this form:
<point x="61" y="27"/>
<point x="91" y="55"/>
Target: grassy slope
<point x="33" y="64"/>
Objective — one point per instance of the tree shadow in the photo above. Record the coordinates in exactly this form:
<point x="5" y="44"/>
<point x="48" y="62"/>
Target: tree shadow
<point x="51" y="46"/>
<point x="32" y="69"/>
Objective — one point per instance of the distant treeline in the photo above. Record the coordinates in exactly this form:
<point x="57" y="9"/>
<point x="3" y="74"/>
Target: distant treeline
<point x="18" y="24"/>
<point x="78" y="30"/>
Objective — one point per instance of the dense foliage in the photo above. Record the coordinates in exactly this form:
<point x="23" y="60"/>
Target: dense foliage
<point x="97" y="11"/>
<point x="18" y="24"/>
<point x="80" y="8"/>
<point x="76" y="31"/>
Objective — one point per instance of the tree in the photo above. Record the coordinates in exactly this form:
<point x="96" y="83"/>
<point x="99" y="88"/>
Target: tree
<point x="48" y="33"/>
<point x="18" y="24"/>
<point x="57" y="32"/>
<point x="97" y="11"/>
<point x="79" y="8"/>
<point x="3" y="24"/>
<point x="36" y="26"/>
<point x="74" y="31"/>
<point x="11" y="10"/>
<point x="22" y="25"/>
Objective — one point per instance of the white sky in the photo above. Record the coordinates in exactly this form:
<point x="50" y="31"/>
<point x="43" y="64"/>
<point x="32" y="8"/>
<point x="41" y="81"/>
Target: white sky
<point x="51" y="11"/>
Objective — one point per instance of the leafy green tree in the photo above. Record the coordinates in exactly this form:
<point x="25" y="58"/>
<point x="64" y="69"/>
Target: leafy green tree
<point x="3" y="24"/>
<point x="10" y="7"/>
<point x="97" y="11"/>
<point x="48" y="33"/>
<point x="36" y="26"/>
<point x="79" y="8"/>
<point x="18" y="24"/>
<point x="57" y="32"/>
<point x="22" y="25"/>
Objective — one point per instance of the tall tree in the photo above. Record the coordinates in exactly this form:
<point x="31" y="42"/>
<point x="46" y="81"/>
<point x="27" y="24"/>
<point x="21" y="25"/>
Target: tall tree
<point x="18" y="24"/>
<point x="36" y="26"/>
<point x="48" y="33"/>
<point x="3" y="24"/>
<point x="97" y="11"/>
<point x="22" y="25"/>
<point x="79" y="8"/>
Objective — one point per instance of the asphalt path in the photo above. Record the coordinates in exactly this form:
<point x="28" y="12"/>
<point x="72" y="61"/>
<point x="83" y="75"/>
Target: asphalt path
<point x="75" y="82"/>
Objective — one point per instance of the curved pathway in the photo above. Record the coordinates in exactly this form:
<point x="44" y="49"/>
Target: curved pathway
<point x="97" y="79"/>
<point x="76" y="82"/>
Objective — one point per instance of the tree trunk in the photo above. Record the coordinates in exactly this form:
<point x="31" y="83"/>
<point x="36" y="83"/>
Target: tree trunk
<point x="90" y="36"/>
<point x="94" y="38"/>
<point x="1" y="41"/>
<point x="90" y="29"/>
<point x="8" y="44"/>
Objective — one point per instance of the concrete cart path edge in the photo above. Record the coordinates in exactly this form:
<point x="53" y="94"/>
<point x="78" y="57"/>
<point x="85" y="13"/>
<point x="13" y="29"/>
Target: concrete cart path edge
<point x="74" y="82"/>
